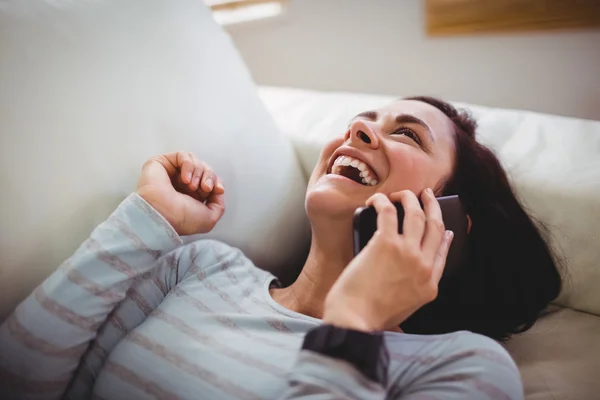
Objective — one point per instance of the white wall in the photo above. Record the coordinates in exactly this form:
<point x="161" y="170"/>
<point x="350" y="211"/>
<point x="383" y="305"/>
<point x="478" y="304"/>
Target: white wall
<point x="380" y="46"/>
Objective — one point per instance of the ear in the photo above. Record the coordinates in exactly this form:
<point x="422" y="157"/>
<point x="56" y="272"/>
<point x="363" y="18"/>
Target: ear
<point x="469" y="224"/>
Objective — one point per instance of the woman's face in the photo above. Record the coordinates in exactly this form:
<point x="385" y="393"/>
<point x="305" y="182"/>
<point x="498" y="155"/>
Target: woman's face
<point x="405" y="145"/>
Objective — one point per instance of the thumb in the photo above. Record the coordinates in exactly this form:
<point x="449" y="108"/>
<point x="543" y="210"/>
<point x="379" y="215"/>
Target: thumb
<point x="202" y="217"/>
<point x="216" y="204"/>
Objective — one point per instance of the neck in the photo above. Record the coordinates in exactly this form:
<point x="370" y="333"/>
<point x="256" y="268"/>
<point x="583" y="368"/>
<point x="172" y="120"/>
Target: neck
<point x="329" y="254"/>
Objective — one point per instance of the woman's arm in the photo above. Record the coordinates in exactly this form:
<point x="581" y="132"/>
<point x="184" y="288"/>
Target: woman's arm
<point x="392" y="277"/>
<point x="459" y="366"/>
<point x="42" y="342"/>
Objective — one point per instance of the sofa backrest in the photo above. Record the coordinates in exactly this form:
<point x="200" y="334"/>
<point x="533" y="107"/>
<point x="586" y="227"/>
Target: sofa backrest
<point x="91" y="89"/>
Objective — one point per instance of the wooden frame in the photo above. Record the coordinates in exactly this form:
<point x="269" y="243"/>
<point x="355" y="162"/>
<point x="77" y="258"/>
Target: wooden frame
<point x="233" y="4"/>
<point x="455" y="17"/>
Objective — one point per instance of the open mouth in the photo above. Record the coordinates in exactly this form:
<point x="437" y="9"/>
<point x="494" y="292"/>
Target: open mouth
<point x="354" y="169"/>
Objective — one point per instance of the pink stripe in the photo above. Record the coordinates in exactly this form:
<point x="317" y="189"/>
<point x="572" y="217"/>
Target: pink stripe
<point x="157" y="219"/>
<point x="230" y="323"/>
<point x="192" y="369"/>
<point x="32" y="342"/>
<point x="491" y="355"/>
<point x="160" y="285"/>
<point x="119" y="324"/>
<point x="430" y="360"/>
<point x="110" y="259"/>
<point x="81" y="280"/>
<point x="137" y="381"/>
<point x="414" y="358"/>
<point x="18" y="383"/>
<point x="240" y="357"/>
<point x="402" y="337"/>
<point x="64" y="313"/>
<point x="275" y="324"/>
<point x="419" y="396"/>
<point x="466" y="379"/>
<point x="278" y="325"/>
<point x="490" y="390"/>
<point x="98" y="351"/>
<point x="178" y="291"/>
<point x="134" y="295"/>
<point x="172" y="260"/>
<point x="225" y="265"/>
<point x="201" y="274"/>
<point x="135" y="239"/>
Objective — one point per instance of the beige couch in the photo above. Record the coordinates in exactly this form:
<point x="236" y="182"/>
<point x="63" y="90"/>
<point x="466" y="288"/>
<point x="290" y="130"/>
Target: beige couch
<point x="90" y="89"/>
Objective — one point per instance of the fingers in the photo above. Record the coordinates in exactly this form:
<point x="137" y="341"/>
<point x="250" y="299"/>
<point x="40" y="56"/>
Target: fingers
<point x="387" y="215"/>
<point x="440" y="258"/>
<point x="193" y="176"/>
<point x="208" y="181"/>
<point x="434" y="225"/>
<point x="413" y="226"/>
<point x="185" y="163"/>
<point x="204" y="217"/>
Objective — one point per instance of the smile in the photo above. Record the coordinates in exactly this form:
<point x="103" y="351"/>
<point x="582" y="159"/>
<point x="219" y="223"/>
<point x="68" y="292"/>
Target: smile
<point x="354" y="169"/>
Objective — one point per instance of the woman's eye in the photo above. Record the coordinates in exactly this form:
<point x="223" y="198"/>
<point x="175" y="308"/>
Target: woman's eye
<point x="409" y="133"/>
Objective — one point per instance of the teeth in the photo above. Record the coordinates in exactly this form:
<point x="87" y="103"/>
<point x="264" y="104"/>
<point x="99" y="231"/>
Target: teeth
<point x="365" y="172"/>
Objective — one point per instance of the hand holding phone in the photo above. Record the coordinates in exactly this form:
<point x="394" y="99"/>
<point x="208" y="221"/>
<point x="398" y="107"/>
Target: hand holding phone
<point x="395" y="274"/>
<point x="453" y="215"/>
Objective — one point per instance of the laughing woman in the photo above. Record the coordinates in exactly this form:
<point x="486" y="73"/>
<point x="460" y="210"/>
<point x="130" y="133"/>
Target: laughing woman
<point x="135" y="313"/>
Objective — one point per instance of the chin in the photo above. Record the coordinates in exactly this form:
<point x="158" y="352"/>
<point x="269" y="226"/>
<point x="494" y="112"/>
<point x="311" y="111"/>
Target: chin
<point x="335" y="197"/>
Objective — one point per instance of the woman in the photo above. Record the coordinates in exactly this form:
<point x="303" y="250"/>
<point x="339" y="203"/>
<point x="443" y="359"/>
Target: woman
<point x="134" y="313"/>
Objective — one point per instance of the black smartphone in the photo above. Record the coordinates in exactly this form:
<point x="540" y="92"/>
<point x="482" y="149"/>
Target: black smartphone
<point x="453" y="215"/>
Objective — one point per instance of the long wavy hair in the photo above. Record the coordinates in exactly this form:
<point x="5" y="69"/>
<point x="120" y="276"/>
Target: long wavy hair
<point x="510" y="273"/>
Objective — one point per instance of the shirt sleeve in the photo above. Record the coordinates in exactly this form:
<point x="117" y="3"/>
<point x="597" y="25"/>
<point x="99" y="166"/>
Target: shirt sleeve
<point x="44" y="339"/>
<point x="463" y="367"/>
<point x="320" y="377"/>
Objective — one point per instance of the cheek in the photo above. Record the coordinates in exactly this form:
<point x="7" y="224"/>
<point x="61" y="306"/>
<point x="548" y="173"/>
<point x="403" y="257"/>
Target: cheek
<point x="326" y="153"/>
<point x="412" y="171"/>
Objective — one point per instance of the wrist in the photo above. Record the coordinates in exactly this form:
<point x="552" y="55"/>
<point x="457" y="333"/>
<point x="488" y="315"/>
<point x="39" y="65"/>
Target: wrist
<point x="366" y="351"/>
<point x="349" y="317"/>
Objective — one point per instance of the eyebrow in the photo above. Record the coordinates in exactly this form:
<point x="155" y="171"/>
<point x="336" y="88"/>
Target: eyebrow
<point x="400" y="119"/>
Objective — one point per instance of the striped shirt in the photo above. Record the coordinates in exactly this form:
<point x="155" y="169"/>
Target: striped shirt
<point x="136" y="314"/>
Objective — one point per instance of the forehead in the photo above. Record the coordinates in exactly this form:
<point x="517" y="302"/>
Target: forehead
<point x="438" y="122"/>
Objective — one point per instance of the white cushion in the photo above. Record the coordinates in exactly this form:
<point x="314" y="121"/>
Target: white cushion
<point x="554" y="163"/>
<point x="90" y="89"/>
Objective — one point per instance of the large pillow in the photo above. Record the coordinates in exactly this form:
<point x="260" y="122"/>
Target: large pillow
<point x="553" y="162"/>
<point x="90" y="89"/>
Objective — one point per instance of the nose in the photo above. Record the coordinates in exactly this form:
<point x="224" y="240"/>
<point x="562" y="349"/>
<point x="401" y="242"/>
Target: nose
<point x="361" y="134"/>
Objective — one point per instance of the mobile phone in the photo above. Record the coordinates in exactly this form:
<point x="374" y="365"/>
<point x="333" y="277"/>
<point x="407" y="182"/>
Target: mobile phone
<point x="453" y="215"/>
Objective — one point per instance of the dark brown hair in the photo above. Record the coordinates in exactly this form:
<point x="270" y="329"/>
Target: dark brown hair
<point x="510" y="274"/>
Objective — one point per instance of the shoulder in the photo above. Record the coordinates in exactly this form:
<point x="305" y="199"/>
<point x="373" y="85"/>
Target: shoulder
<point x="209" y="251"/>
<point x="211" y="256"/>
<point x="473" y="364"/>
